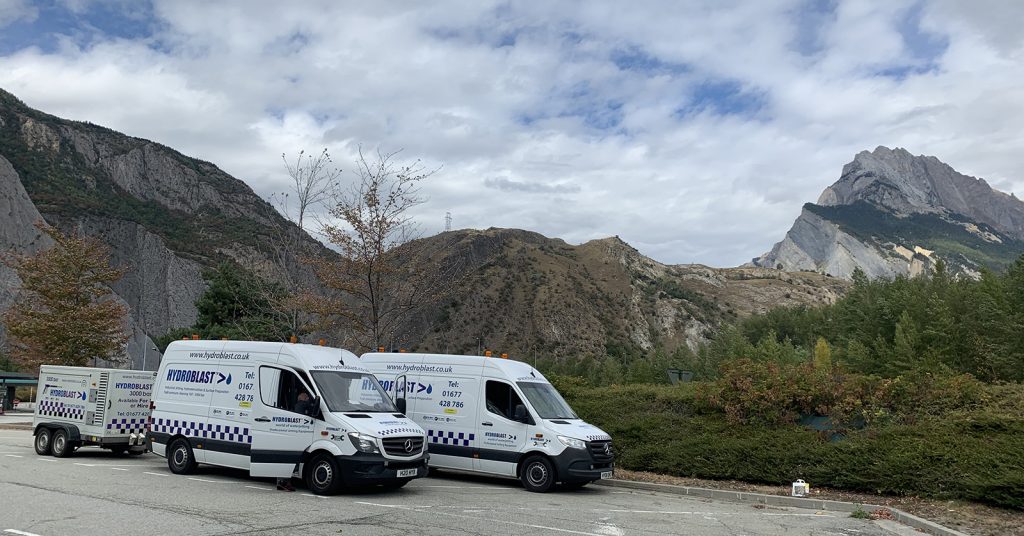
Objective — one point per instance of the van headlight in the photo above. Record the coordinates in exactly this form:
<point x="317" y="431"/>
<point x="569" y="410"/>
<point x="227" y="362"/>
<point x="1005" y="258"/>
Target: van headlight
<point x="573" y="443"/>
<point x="363" y="442"/>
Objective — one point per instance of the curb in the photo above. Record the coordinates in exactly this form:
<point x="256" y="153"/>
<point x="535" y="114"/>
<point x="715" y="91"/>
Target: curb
<point x="782" y="500"/>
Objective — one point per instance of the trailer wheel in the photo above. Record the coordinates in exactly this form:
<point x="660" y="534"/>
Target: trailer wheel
<point x="44" y="441"/>
<point x="537" y="474"/>
<point x="180" y="459"/>
<point x="61" y="446"/>
<point x="322" y="475"/>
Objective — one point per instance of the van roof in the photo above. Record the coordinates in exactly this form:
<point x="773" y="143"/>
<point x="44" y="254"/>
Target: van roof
<point x="322" y="352"/>
<point x="510" y="368"/>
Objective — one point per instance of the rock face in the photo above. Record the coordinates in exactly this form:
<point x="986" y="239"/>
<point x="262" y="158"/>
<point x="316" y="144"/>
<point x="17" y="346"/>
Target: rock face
<point x="165" y="216"/>
<point x="529" y="295"/>
<point x="892" y="213"/>
<point x="906" y="184"/>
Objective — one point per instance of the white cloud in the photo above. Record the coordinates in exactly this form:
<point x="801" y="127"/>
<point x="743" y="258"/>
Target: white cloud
<point x="12" y="11"/>
<point x="694" y="132"/>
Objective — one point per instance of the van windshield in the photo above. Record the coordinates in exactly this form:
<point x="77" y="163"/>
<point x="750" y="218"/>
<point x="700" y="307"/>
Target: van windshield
<point x="546" y="401"/>
<point x="352" y="391"/>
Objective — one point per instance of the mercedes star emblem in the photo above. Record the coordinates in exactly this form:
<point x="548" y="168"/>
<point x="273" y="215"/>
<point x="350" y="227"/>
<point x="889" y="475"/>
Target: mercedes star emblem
<point x="408" y="445"/>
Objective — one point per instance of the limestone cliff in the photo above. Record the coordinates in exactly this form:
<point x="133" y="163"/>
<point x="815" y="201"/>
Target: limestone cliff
<point x="165" y="216"/>
<point x="892" y="213"/>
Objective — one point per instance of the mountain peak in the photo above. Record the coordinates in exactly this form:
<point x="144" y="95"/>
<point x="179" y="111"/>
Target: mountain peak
<point x="890" y="200"/>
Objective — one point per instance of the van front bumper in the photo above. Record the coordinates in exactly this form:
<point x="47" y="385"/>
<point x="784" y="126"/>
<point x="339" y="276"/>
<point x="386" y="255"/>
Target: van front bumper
<point x="363" y="469"/>
<point x="574" y="465"/>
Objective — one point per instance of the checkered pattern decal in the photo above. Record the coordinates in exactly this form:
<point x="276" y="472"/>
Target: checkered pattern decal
<point x="127" y="426"/>
<point x="393" y="431"/>
<point x="599" y="438"/>
<point x="224" y="432"/>
<point x="52" y="408"/>
<point x="450" y="438"/>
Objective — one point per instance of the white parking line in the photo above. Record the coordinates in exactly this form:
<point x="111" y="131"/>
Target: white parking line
<point x="204" y="480"/>
<point x="254" y="487"/>
<point x="14" y="456"/>
<point x="118" y="469"/>
<point x="154" y="474"/>
<point x="317" y="496"/>
<point x="46" y="460"/>
<point x="21" y="532"/>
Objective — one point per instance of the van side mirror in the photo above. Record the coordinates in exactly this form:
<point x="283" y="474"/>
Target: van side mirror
<point x="520" y="414"/>
<point x="400" y="403"/>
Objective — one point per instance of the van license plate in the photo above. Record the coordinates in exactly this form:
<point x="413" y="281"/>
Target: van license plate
<point x="402" y="473"/>
<point x="606" y="474"/>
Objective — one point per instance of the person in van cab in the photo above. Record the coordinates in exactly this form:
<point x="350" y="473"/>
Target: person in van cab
<point x="304" y="405"/>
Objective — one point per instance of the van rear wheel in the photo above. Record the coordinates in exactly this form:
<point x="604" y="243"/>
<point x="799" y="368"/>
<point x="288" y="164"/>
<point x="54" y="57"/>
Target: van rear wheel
<point x="44" y="441"/>
<point x="180" y="459"/>
<point x="322" y="475"/>
<point x="537" y="474"/>
<point x="61" y="446"/>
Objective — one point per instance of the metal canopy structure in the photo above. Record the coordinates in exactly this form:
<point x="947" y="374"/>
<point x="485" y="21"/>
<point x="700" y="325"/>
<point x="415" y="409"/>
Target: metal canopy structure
<point x="9" y="381"/>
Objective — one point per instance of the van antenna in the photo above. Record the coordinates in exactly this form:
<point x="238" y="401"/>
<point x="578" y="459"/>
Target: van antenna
<point x="341" y="358"/>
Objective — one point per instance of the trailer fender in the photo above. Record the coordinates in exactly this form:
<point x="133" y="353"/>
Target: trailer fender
<point x="74" y="435"/>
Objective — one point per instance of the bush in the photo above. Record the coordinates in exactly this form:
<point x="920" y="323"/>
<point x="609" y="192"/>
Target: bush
<point x="972" y="450"/>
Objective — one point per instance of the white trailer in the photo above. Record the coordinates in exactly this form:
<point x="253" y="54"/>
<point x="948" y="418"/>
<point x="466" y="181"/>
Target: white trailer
<point x="79" y="406"/>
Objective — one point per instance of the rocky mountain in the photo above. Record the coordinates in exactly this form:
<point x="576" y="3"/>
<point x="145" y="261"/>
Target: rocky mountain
<point x="528" y="295"/>
<point x="166" y="216"/>
<point x="893" y="213"/>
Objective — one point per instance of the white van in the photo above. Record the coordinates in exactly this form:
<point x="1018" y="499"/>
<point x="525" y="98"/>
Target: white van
<point x="495" y="416"/>
<point x="273" y="408"/>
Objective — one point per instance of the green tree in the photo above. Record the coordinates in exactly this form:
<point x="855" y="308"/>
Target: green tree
<point x="822" y="355"/>
<point x="66" y="314"/>
<point x="238" y="305"/>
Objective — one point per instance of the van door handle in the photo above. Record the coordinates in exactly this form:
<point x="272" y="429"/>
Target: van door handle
<point x="487" y="423"/>
<point x="262" y="419"/>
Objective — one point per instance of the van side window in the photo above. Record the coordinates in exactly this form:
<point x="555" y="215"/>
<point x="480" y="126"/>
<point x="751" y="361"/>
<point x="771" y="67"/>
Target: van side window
<point x="281" y="389"/>
<point x="502" y="399"/>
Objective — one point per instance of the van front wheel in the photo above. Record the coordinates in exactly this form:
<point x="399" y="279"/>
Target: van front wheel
<point x="322" y="475"/>
<point x="537" y="474"/>
<point x="180" y="459"/>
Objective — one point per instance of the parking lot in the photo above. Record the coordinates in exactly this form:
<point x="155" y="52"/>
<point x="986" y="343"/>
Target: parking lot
<point x="95" y="491"/>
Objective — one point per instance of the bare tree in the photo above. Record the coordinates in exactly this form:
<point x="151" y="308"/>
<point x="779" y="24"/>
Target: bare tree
<point x="381" y="276"/>
<point x="313" y="177"/>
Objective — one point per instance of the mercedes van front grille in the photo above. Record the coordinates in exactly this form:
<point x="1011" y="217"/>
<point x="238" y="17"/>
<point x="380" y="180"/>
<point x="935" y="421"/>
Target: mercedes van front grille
<point x="601" y="451"/>
<point x="403" y="446"/>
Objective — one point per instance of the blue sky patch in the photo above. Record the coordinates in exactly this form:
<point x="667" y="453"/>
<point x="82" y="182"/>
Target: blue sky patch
<point x="636" y="59"/>
<point x="101" y="21"/>
<point x="723" y="97"/>
<point x="813" y="19"/>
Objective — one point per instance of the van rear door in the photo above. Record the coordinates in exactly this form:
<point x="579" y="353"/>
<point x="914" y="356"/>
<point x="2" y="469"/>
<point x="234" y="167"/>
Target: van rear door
<point x="280" y="434"/>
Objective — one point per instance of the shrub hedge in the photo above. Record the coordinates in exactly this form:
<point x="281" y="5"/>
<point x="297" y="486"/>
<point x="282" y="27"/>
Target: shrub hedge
<point x="973" y="453"/>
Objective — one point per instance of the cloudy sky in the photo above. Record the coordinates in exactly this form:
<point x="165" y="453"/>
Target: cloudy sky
<point x="692" y="130"/>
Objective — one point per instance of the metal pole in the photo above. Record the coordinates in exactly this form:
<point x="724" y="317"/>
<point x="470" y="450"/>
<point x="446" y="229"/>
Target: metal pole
<point x="145" y="349"/>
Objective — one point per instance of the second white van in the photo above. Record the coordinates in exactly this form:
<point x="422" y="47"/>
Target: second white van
<point x="277" y="408"/>
<point x="495" y="416"/>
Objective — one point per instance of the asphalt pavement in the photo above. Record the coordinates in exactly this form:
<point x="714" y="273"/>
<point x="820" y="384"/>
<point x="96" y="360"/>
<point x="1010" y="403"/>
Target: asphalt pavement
<point x="96" y="492"/>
